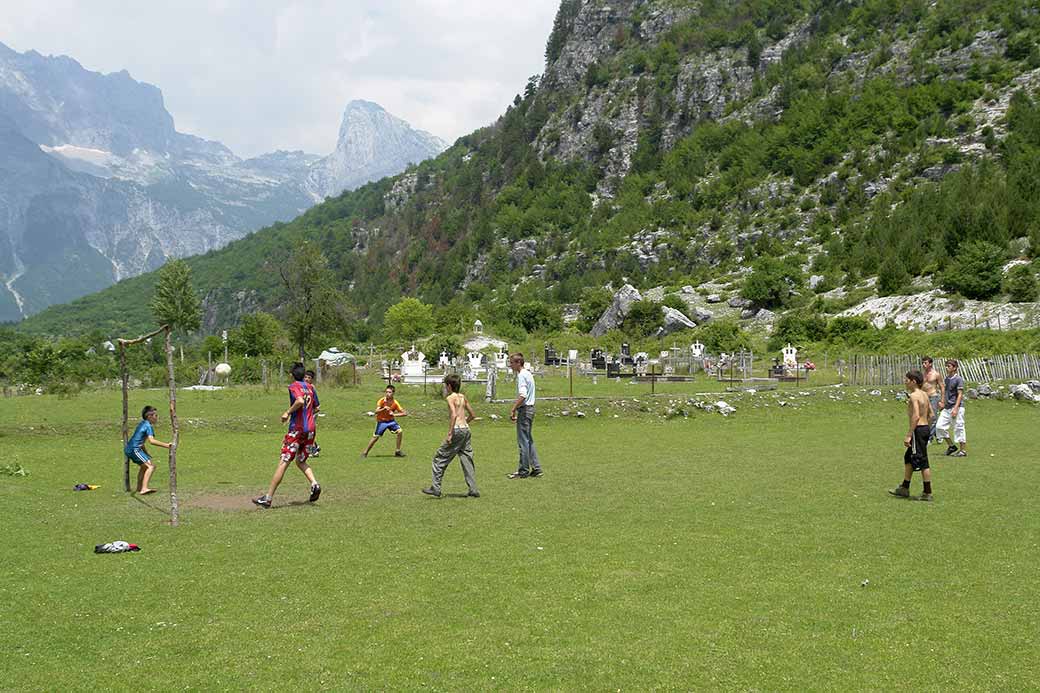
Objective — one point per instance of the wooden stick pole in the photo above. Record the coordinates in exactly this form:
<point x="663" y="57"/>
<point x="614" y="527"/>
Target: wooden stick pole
<point x="174" y="509"/>
<point x="126" y="414"/>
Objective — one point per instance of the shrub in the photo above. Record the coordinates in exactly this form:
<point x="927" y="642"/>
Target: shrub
<point x="723" y="335"/>
<point x="846" y="328"/>
<point x="975" y="270"/>
<point x="536" y="316"/>
<point x="408" y="320"/>
<point x="673" y="301"/>
<point x="892" y="277"/>
<point x="798" y="328"/>
<point x="644" y="317"/>
<point x="593" y="302"/>
<point x="771" y="282"/>
<point x="1020" y="284"/>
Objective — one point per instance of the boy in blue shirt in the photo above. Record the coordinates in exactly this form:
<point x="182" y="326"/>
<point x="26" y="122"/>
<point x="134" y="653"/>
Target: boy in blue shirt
<point x="136" y="452"/>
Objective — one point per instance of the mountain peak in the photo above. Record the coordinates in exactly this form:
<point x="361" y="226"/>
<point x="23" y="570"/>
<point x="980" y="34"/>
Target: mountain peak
<point x="372" y="144"/>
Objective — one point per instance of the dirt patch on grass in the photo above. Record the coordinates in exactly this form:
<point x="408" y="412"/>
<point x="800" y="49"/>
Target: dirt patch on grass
<point x="221" y="502"/>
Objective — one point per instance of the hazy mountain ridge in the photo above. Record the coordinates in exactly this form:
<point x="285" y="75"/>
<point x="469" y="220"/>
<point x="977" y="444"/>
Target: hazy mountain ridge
<point x="680" y="144"/>
<point x="134" y="191"/>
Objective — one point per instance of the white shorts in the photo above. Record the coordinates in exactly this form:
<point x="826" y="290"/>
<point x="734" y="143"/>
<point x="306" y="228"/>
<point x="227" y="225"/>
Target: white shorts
<point x="942" y="425"/>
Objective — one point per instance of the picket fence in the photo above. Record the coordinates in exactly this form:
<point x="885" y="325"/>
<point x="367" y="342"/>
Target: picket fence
<point x="867" y="370"/>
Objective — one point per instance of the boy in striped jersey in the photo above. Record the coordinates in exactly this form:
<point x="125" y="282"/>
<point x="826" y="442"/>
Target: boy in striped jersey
<point x="300" y="416"/>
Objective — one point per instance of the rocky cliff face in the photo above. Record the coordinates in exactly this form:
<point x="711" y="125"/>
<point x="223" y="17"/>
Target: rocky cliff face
<point x="372" y="144"/>
<point x="96" y="184"/>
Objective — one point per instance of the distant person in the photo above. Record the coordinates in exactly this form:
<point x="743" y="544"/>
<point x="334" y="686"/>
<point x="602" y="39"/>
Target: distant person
<point x="951" y="411"/>
<point x="313" y="450"/>
<point x="388" y="410"/>
<point x="915" y="459"/>
<point x="300" y="416"/>
<point x="522" y="413"/>
<point x="136" y="452"/>
<point x="457" y="441"/>
<point x="933" y="388"/>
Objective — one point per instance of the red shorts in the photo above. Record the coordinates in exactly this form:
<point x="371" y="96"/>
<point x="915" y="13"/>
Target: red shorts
<point x="295" y="444"/>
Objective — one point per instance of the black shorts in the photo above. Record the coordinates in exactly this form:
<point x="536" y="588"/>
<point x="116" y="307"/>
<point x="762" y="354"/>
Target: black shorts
<point x="917" y="454"/>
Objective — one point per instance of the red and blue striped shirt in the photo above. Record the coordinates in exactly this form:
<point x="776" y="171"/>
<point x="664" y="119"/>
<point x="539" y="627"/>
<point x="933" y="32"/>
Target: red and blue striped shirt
<point x="302" y="419"/>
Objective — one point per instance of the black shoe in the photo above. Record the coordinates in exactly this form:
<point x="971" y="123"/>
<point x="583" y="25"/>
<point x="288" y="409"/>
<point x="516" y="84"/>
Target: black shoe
<point x="473" y="494"/>
<point x="432" y="492"/>
<point x="519" y="475"/>
<point x="263" y="501"/>
<point x="398" y="454"/>
<point x="535" y="473"/>
<point x="315" y="492"/>
<point x="950" y="450"/>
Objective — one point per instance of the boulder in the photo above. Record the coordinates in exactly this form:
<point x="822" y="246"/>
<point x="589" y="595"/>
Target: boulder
<point x="1023" y="393"/>
<point x="815" y="280"/>
<point x="985" y="390"/>
<point x="765" y="316"/>
<point x="522" y="251"/>
<point x="739" y="302"/>
<point x="1034" y="385"/>
<point x="714" y="298"/>
<point x="748" y="313"/>
<point x="700" y="315"/>
<point x="674" y="321"/>
<point x="614" y="315"/>
<point x="971" y="393"/>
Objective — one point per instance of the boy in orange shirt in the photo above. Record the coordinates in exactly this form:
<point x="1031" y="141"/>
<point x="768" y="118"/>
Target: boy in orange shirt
<point x="388" y="410"/>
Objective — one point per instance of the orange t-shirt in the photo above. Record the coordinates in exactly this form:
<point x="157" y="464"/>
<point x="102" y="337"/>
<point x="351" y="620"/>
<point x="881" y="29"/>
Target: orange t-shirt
<point x="385" y="415"/>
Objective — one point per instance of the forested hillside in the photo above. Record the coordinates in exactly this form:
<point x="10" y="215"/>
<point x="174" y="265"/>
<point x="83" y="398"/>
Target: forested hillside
<point x="785" y="151"/>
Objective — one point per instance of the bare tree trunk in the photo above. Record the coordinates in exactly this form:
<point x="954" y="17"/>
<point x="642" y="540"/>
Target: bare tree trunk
<point x="174" y="509"/>
<point x="126" y="413"/>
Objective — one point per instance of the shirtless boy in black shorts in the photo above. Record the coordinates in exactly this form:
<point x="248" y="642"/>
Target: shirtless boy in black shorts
<point x="915" y="459"/>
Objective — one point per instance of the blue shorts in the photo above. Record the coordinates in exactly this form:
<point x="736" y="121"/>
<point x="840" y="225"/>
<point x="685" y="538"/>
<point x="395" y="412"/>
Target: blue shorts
<point x="384" y="426"/>
<point x="139" y="456"/>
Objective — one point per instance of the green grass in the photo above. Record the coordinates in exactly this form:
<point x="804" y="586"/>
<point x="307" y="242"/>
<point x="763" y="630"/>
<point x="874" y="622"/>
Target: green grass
<point x="699" y="553"/>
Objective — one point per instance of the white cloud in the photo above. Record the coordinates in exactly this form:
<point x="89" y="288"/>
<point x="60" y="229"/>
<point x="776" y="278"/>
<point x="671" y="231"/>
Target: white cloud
<point x="260" y="75"/>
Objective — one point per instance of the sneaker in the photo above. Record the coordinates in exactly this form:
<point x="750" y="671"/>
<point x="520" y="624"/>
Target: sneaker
<point x="473" y="494"/>
<point x="263" y="501"/>
<point x="925" y="497"/>
<point x="315" y="493"/>
<point x="900" y="491"/>
<point x="398" y="453"/>
<point x="959" y="453"/>
<point x="518" y="475"/>
<point x="431" y="491"/>
<point x="535" y="473"/>
<point x="950" y="450"/>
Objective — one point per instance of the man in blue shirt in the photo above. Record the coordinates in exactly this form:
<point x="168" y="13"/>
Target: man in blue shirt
<point x="136" y="452"/>
<point x="523" y="414"/>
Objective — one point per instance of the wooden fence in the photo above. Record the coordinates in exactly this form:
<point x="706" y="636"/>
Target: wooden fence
<point x="891" y="370"/>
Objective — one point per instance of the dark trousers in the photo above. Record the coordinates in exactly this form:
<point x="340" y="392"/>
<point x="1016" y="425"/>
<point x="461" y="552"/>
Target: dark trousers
<point x="528" y="455"/>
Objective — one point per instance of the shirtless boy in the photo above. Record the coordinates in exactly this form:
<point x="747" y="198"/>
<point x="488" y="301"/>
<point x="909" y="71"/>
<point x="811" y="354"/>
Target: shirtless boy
<point x="933" y="388"/>
<point x="457" y="441"/>
<point x="916" y="441"/>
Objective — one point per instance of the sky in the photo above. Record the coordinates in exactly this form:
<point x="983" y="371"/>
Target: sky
<point x="260" y="75"/>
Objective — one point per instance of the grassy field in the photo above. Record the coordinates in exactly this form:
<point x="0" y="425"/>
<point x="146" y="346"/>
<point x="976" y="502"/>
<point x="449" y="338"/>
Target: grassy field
<point x="660" y="551"/>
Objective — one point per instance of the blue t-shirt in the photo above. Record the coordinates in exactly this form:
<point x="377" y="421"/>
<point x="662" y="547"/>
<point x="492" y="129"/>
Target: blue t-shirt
<point x="954" y="384"/>
<point x="140" y="436"/>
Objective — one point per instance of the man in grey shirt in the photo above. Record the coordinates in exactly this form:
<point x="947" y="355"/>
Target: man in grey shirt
<point x="523" y="414"/>
<point x="951" y="412"/>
